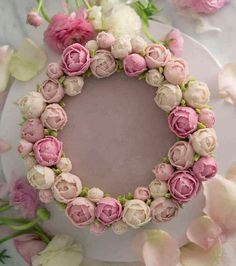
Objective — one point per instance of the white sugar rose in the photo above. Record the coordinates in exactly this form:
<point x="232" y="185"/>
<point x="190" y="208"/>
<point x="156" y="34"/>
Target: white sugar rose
<point x="197" y="94"/>
<point x="95" y="194"/>
<point x="121" y="47"/>
<point x="154" y="78"/>
<point x="41" y="177"/>
<point x="65" y="164"/>
<point x="29" y="162"/>
<point x="31" y="105"/>
<point x="136" y="213"/>
<point x="119" y="228"/>
<point x="204" y="141"/>
<point x="158" y="188"/>
<point x="92" y="46"/>
<point x="168" y="97"/>
<point x="95" y="17"/>
<point x="73" y="85"/>
<point x="138" y="44"/>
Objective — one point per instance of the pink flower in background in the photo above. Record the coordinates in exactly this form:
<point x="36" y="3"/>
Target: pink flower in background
<point x="207" y="6"/>
<point x="205" y="168"/>
<point x="34" y="19"/>
<point x="24" y="197"/>
<point x="175" y="42"/>
<point x="65" y="30"/>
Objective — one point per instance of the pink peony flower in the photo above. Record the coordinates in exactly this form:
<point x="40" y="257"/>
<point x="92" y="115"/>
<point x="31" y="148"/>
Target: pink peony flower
<point x="48" y="151"/>
<point x="65" y="30"/>
<point x="163" y="171"/>
<point x="175" y="42"/>
<point x="105" y="40"/>
<point x="52" y="91"/>
<point x="156" y="55"/>
<point x="54" y="71"/>
<point x="24" y="197"/>
<point x="34" y="19"/>
<point x="32" y="130"/>
<point x="28" y="246"/>
<point x="108" y="211"/>
<point x="207" y="117"/>
<point x="183" y="121"/>
<point x="206" y="6"/>
<point x="75" y="60"/>
<point x="25" y="147"/>
<point x="142" y="193"/>
<point x="205" y="168"/>
<point x="134" y="65"/>
<point x="45" y="196"/>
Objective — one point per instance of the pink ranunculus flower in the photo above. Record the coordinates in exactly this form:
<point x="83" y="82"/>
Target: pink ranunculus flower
<point x="142" y="193"/>
<point x="97" y="228"/>
<point x="32" y="130"/>
<point x="65" y="30"/>
<point x="54" y="71"/>
<point x="206" y="6"/>
<point x="48" y="151"/>
<point x="183" y="185"/>
<point x="205" y="168"/>
<point x="207" y="117"/>
<point x="34" y="19"/>
<point x="175" y="42"/>
<point x="28" y="246"/>
<point x="81" y="212"/>
<point x="163" y="171"/>
<point x="183" y="121"/>
<point x="156" y="55"/>
<point x="134" y="65"/>
<point x="105" y="40"/>
<point x="45" y="196"/>
<point x="108" y="211"/>
<point x="176" y="71"/>
<point x="75" y="60"/>
<point x="24" y="147"/>
<point x="24" y="197"/>
<point x="52" y="91"/>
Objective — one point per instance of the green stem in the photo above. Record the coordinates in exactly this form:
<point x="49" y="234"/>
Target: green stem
<point x="39" y="5"/>
<point x="24" y="226"/>
<point x="148" y="34"/>
<point x="77" y="4"/>
<point x="43" y="12"/>
<point x="5" y="207"/>
<point x="9" y="220"/>
<point x="87" y="5"/>
<point x="9" y="237"/>
<point x="42" y="236"/>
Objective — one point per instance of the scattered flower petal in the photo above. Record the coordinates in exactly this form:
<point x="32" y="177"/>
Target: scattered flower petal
<point x="4" y="146"/>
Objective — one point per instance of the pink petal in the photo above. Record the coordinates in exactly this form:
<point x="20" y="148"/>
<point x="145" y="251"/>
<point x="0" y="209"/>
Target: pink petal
<point x="231" y="174"/>
<point x="4" y="146"/>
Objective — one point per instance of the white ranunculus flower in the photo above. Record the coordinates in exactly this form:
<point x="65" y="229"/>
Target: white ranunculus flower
<point x="92" y="46"/>
<point x="41" y="177"/>
<point x="60" y="251"/>
<point x="138" y="44"/>
<point x="154" y="78"/>
<point x="204" y="141"/>
<point x="158" y="188"/>
<point x="119" y="228"/>
<point x="65" y="164"/>
<point x="29" y="162"/>
<point x="197" y="94"/>
<point x="95" y="17"/>
<point x="95" y="194"/>
<point x="168" y="97"/>
<point x="31" y="105"/>
<point x="73" y="85"/>
<point x="121" y="47"/>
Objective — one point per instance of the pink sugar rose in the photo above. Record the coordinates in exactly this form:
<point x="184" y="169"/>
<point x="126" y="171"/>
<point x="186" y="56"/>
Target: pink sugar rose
<point x="108" y="211"/>
<point x="24" y="197"/>
<point x="97" y="228"/>
<point x="28" y="246"/>
<point x="163" y="171"/>
<point x="54" y="117"/>
<point x="45" y="196"/>
<point x="156" y="55"/>
<point x="75" y="60"/>
<point x="65" y="30"/>
<point x="205" y="168"/>
<point x="175" y="42"/>
<point x="183" y="185"/>
<point x="207" y="117"/>
<point x="81" y="212"/>
<point x="34" y="19"/>
<point x="206" y="6"/>
<point x="54" y="71"/>
<point x="52" y="91"/>
<point x="32" y="130"/>
<point x="25" y="147"/>
<point x="134" y="65"/>
<point x="183" y="121"/>
<point x="48" y="151"/>
<point x="105" y="40"/>
<point x="176" y="71"/>
<point x="142" y="193"/>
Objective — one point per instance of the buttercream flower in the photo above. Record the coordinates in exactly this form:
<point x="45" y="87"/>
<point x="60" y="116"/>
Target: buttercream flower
<point x="65" y="30"/>
<point x="138" y="44"/>
<point x="34" y="19"/>
<point x="97" y="228"/>
<point x="92" y="46"/>
<point x="52" y="91"/>
<point x="95" y="194"/>
<point x="163" y="210"/>
<point x="41" y="177"/>
<point x="168" y="97"/>
<point x="32" y="130"/>
<point x="31" y="105"/>
<point x="48" y="151"/>
<point x="204" y="141"/>
<point x="105" y="40"/>
<point x="181" y="155"/>
<point x="183" y="121"/>
<point x="119" y="228"/>
<point x="54" y="117"/>
<point x="156" y="55"/>
<point x="73" y="85"/>
<point x="158" y="188"/>
<point x="176" y="71"/>
<point x="66" y="187"/>
<point x="205" y="168"/>
<point x="95" y="17"/>
<point x="183" y="185"/>
<point x="207" y="6"/>
<point x="64" y="164"/>
<point x="136" y="213"/>
<point x="25" y="147"/>
<point x="154" y="78"/>
<point x="75" y="60"/>
<point x="197" y="94"/>
<point x="175" y="42"/>
<point x="108" y="211"/>
<point x="207" y="117"/>
<point x="142" y="193"/>
<point x="81" y="212"/>
<point x="103" y="64"/>
<point x="29" y="162"/>
<point x="163" y="171"/>
<point x="45" y="196"/>
<point x="134" y="65"/>
<point x="54" y="71"/>
<point x="121" y="47"/>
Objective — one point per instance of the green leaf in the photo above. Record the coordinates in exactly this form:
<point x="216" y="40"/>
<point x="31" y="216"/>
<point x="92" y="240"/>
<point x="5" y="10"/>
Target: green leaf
<point x="3" y="256"/>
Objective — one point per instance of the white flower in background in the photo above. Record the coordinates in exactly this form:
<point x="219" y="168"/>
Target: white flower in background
<point x="154" y="78"/>
<point x="121" y="47"/>
<point x="158" y="188"/>
<point x="65" y="164"/>
<point x="95" y="17"/>
<point x="95" y="194"/>
<point x="73" y="85"/>
<point x="60" y="251"/>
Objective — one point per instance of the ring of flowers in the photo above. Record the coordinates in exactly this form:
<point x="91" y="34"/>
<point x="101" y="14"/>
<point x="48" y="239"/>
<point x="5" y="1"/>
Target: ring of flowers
<point x="177" y="179"/>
